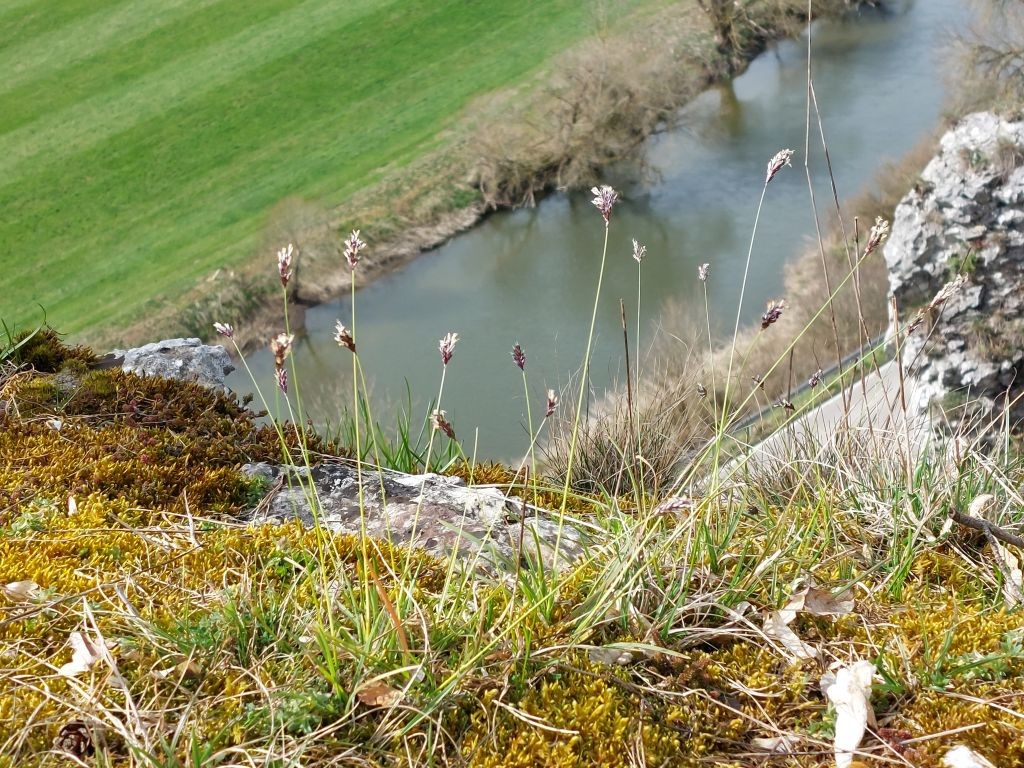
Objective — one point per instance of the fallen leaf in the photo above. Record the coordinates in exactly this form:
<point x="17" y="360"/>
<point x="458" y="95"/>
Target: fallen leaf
<point x="776" y="626"/>
<point x="964" y="757"/>
<point x="777" y="745"/>
<point x="21" y="591"/>
<point x="378" y="695"/>
<point x="85" y="653"/>
<point x="612" y="657"/>
<point x="187" y="669"/>
<point x="821" y="602"/>
<point x="1013" y="578"/>
<point x="981" y="506"/>
<point x="849" y="695"/>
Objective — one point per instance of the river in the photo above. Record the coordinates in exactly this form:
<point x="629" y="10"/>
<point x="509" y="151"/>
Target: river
<point x="530" y="275"/>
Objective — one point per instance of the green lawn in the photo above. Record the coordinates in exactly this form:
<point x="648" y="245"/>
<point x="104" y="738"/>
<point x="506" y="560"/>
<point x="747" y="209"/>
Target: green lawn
<point x="142" y="142"/>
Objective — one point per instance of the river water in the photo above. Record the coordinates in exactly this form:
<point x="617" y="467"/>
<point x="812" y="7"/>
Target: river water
<point x="530" y="275"/>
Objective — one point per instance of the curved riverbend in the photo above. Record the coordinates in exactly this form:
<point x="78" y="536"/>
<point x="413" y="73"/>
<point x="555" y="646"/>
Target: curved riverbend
<point x="529" y="275"/>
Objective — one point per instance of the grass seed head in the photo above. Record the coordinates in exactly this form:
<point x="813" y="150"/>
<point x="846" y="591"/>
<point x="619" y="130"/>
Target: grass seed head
<point x="552" y="403"/>
<point x="280" y="346"/>
<point x="343" y="336"/>
<point x="604" y="199"/>
<point x="285" y="256"/>
<point x="519" y="357"/>
<point x="639" y="251"/>
<point x="777" y="163"/>
<point x="446" y="346"/>
<point x="772" y="313"/>
<point x="225" y="330"/>
<point x="281" y="374"/>
<point x="948" y="291"/>
<point x="353" y="245"/>
<point x="439" y="420"/>
<point x="702" y="272"/>
<point x="879" y="232"/>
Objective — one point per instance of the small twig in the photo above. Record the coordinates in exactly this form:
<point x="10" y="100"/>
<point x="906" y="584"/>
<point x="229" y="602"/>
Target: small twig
<point x="989" y="529"/>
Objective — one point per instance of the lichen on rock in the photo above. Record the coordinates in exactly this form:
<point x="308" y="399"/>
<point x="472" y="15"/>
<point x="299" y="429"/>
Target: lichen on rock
<point x="965" y="217"/>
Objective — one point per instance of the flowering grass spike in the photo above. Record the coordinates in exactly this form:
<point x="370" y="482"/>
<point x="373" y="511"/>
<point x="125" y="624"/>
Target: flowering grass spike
<point x="772" y="313"/>
<point x="439" y="420"/>
<point x="280" y="346"/>
<point x="353" y="245"/>
<point x="519" y="357"/>
<point x="879" y="232"/>
<point x="605" y="198"/>
<point x="343" y="336"/>
<point x="447" y="346"/>
<point x="284" y="264"/>
<point x="639" y="251"/>
<point x="777" y="163"/>
<point x="552" y="403"/>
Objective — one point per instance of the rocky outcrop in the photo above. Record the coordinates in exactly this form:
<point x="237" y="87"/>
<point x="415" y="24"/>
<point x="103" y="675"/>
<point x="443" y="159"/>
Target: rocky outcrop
<point x="182" y="359"/>
<point x="965" y="218"/>
<point x="437" y="514"/>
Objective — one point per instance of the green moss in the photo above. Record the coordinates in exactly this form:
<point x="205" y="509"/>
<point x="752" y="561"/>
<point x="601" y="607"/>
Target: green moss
<point x="43" y="350"/>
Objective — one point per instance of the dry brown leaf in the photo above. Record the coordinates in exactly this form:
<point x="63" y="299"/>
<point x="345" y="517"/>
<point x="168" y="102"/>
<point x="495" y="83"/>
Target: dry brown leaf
<point x="378" y="694"/>
<point x="85" y="652"/>
<point x="964" y="757"/>
<point x="187" y="669"/>
<point x="821" y="602"/>
<point x="21" y="591"/>
<point x="850" y="694"/>
<point x="776" y="627"/>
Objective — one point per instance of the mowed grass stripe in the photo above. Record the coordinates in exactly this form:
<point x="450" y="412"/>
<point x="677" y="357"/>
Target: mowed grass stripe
<point x="94" y="120"/>
<point x="110" y="71"/>
<point x="147" y="210"/>
<point x="60" y="49"/>
<point x="26" y="20"/>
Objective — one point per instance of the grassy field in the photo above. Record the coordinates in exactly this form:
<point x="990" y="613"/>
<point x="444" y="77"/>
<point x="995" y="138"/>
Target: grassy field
<point x="143" y="142"/>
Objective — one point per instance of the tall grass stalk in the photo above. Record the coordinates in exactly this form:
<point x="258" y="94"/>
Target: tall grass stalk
<point x="784" y="159"/>
<point x="584" y="374"/>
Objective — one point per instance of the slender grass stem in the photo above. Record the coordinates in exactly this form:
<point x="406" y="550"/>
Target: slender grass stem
<point x="584" y="376"/>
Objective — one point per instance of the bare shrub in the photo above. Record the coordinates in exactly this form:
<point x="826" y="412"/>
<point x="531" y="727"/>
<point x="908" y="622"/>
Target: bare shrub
<point x="606" y="97"/>
<point x="992" y="54"/>
<point x="603" y="101"/>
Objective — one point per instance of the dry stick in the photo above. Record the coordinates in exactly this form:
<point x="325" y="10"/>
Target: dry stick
<point x="987" y="528"/>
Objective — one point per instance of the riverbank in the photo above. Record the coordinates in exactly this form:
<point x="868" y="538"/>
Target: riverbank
<point x="593" y="106"/>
